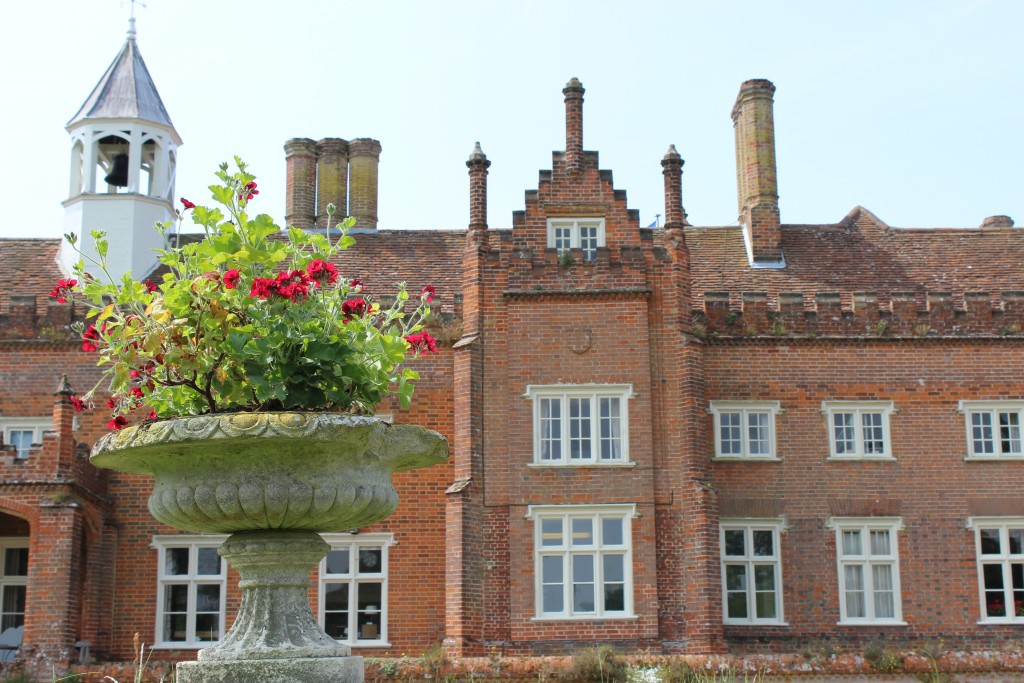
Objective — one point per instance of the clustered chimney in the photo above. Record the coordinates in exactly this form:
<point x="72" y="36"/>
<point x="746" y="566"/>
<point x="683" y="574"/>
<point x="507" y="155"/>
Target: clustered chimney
<point x="573" y="92"/>
<point x="754" y="126"/>
<point x="478" y="165"/>
<point x="672" y="169"/>
<point x="332" y="171"/>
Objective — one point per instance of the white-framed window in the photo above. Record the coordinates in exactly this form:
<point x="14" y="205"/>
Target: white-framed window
<point x="994" y="429"/>
<point x="745" y="429"/>
<point x="580" y="424"/>
<point x="22" y="432"/>
<point x="586" y="234"/>
<point x="13" y="581"/>
<point x="583" y="561"/>
<point x="999" y="543"/>
<point x="869" y="569"/>
<point x="858" y="430"/>
<point x="751" y="571"/>
<point x="353" y="605"/>
<point x="192" y="582"/>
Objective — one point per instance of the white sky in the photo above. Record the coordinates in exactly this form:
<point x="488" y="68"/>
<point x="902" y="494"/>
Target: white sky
<point x="911" y="108"/>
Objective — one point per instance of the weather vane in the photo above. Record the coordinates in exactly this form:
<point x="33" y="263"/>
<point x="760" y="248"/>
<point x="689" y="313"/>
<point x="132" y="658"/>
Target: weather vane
<point x="133" y="3"/>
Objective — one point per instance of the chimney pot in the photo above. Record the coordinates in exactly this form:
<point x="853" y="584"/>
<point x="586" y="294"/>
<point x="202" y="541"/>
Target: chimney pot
<point x="363" y="160"/>
<point x="757" y="184"/>
<point x="573" y="92"/>
<point x="672" y="169"/>
<point x="331" y="178"/>
<point x="478" y="165"/>
<point x="300" y="188"/>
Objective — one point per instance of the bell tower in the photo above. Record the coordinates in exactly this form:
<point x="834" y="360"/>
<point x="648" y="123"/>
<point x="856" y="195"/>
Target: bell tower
<point x="123" y="158"/>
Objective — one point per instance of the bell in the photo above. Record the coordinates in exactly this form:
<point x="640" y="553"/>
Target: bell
<point x="119" y="175"/>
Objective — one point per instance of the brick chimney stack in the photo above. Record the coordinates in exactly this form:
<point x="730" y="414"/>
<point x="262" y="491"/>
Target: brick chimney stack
<point x="363" y="158"/>
<point x="758" y="196"/>
<point x="331" y="179"/>
<point x="573" y="92"/>
<point x="478" y="165"/>
<point x="300" y="189"/>
<point x="672" y="169"/>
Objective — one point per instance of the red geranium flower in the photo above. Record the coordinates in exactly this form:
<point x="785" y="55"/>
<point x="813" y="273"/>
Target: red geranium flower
<point x="187" y="204"/>
<point x="422" y="342"/>
<point x="91" y="336"/>
<point x="62" y="290"/>
<point x="150" y="287"/>
<point x="262" y="288"/>
<point x="111" y="403"/>
<point x="231" y="278"/>
<point x="117" y="423"/>
<point x="353" y="308"/>
<point x="78" y="403"/>
<point x="250" y="191"/>
<point x="321" y="270"/>
<point x="136" y="392"/>
<point x="356" y="285"/>
<point x="152" y="415"/>
<point x="428" y="293"/>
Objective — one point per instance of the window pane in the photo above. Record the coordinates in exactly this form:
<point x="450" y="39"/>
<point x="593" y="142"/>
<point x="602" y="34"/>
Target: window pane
<point x="614" y="569"/>
<point x="582" y="531"/>
<point x="763" y="546"/>
<point x="176" y="598"/>
<point x="14" y="600"/>
<point x="336" y="597"/>
<point x="851" y="543"/>
<point x="993" y="576"/>
<point x="583" y="597"/>
<point x="736" y="604"/>
<point x="611" y="429"/>
<point x="553" y="600"/>
<point x="175" y="627"/>
<point x="766" y="605"/>
<point x="842" y="425"/>
<point x="874" y="443"/>
<point x="588" y="242"/>
<point x="854" y="576"/>
<point x="551" y="569"/>
<point x="177" y="561"/>
<point x="208" y="562"/>
<point x="990" y="542"/>
<point x="981" y="433"/>
<point x="764" y="577"/>
<point x="369" y="625"/>
<point x="370" y="561"/>
<point x="611" y="531"/>
<point x="1016" y="542"/>
<point x="736" y="577"/>
<point x="336" y="625"/>
<point x="338" y="561"/>
<point x="880" y="543"/>
<point x="207" y="627"/>
<point x="16" y="562"/>
<point x="551" y="532"/>
<point x="583" y="568"/>
<point x="614" y="597"/>
<point x="550" y="429"/>
<point x="735" y="543"/>
<point x="369" y="596"/>
<point x="579" y="429"/>
<point x="21" y="439"/>
<point x="1009" y="433"/>
<point x="207" y="598"/>
<point x="757" y="433"/>
<point x="730" y="434"/>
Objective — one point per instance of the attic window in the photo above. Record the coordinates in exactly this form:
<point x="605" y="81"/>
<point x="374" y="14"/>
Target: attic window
<point x="586" y="234"/>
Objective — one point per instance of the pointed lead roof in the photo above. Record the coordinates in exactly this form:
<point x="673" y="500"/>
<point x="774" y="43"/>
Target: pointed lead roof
<point x="126" y="90"/>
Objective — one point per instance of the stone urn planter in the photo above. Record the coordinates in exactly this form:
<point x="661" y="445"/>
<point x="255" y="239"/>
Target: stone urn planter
<point x="272" y="481"/>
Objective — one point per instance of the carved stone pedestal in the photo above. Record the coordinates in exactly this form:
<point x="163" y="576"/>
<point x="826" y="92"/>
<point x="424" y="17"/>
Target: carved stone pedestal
<point x="275" y="636"/>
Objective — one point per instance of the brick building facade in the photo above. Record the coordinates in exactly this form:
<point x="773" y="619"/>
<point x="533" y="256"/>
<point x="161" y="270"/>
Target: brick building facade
<point x="673" y="439"/>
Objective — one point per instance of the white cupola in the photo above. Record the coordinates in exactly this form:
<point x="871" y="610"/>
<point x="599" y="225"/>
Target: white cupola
<point x="123" y="157"/>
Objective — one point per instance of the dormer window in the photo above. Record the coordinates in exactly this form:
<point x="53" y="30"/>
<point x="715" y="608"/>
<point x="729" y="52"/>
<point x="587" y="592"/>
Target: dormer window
<point x="585" y="234"/>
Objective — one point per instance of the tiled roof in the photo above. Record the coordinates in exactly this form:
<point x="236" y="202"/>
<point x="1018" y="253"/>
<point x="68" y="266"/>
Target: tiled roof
<point x="862" y="254"/>
<point x="28" y="267"/>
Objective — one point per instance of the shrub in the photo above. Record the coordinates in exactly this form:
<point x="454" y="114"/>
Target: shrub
<point x="597" y="665"/>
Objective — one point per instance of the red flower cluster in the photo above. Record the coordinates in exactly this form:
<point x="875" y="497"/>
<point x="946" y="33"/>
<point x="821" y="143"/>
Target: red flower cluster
<point x="91" y="337"/>
<point x="249" y="191"/>
<point x="428" y="293"/>
<point x="421" y="341"/>
<point x="150" y="287"/>
<point x="117" y="423"/>
<point x="293" y="285"/>
<point x="319" y="271"/>
<point x="231" y="278"/>
<point x="62" y="290"/>
<point x="187" y="204"/>
<point x="78" y="403"/>
<point x="353" y="308"/>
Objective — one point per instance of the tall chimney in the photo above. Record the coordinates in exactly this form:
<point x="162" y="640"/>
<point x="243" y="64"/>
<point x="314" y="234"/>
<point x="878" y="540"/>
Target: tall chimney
<point x="758" y="195"/>
<point x="331" y="179"/>
<point x="363" y="157"/>
<point x="573" y="92"/>
<point x="300" y="188"/>
<point x="672" y="169"/>
<point x="478" y="165"/>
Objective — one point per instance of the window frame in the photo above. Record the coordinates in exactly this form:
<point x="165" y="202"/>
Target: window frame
<point x="38" y="425"/>
<point x="6" y="581"/>
<point x="749" y="561"/>
<point x="353" y="542"/>
<point x="859" y="409"/>
<point x="193" y="542"/>
<point x="1004" y="559"/>
<point x="993" y="408"/>
<point x="626" y="513"/>
<point x="595" y="392"/>
<point x="575" y="223"/>
<point x="868" y="560"/>
<point x="745" y="409"/>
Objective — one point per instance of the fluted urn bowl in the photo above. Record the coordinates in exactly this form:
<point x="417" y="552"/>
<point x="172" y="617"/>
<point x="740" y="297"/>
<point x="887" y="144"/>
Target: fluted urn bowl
<point x="255" y="471"/>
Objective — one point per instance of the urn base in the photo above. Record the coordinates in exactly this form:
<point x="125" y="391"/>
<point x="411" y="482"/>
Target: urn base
<point x="304" y="670"/>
